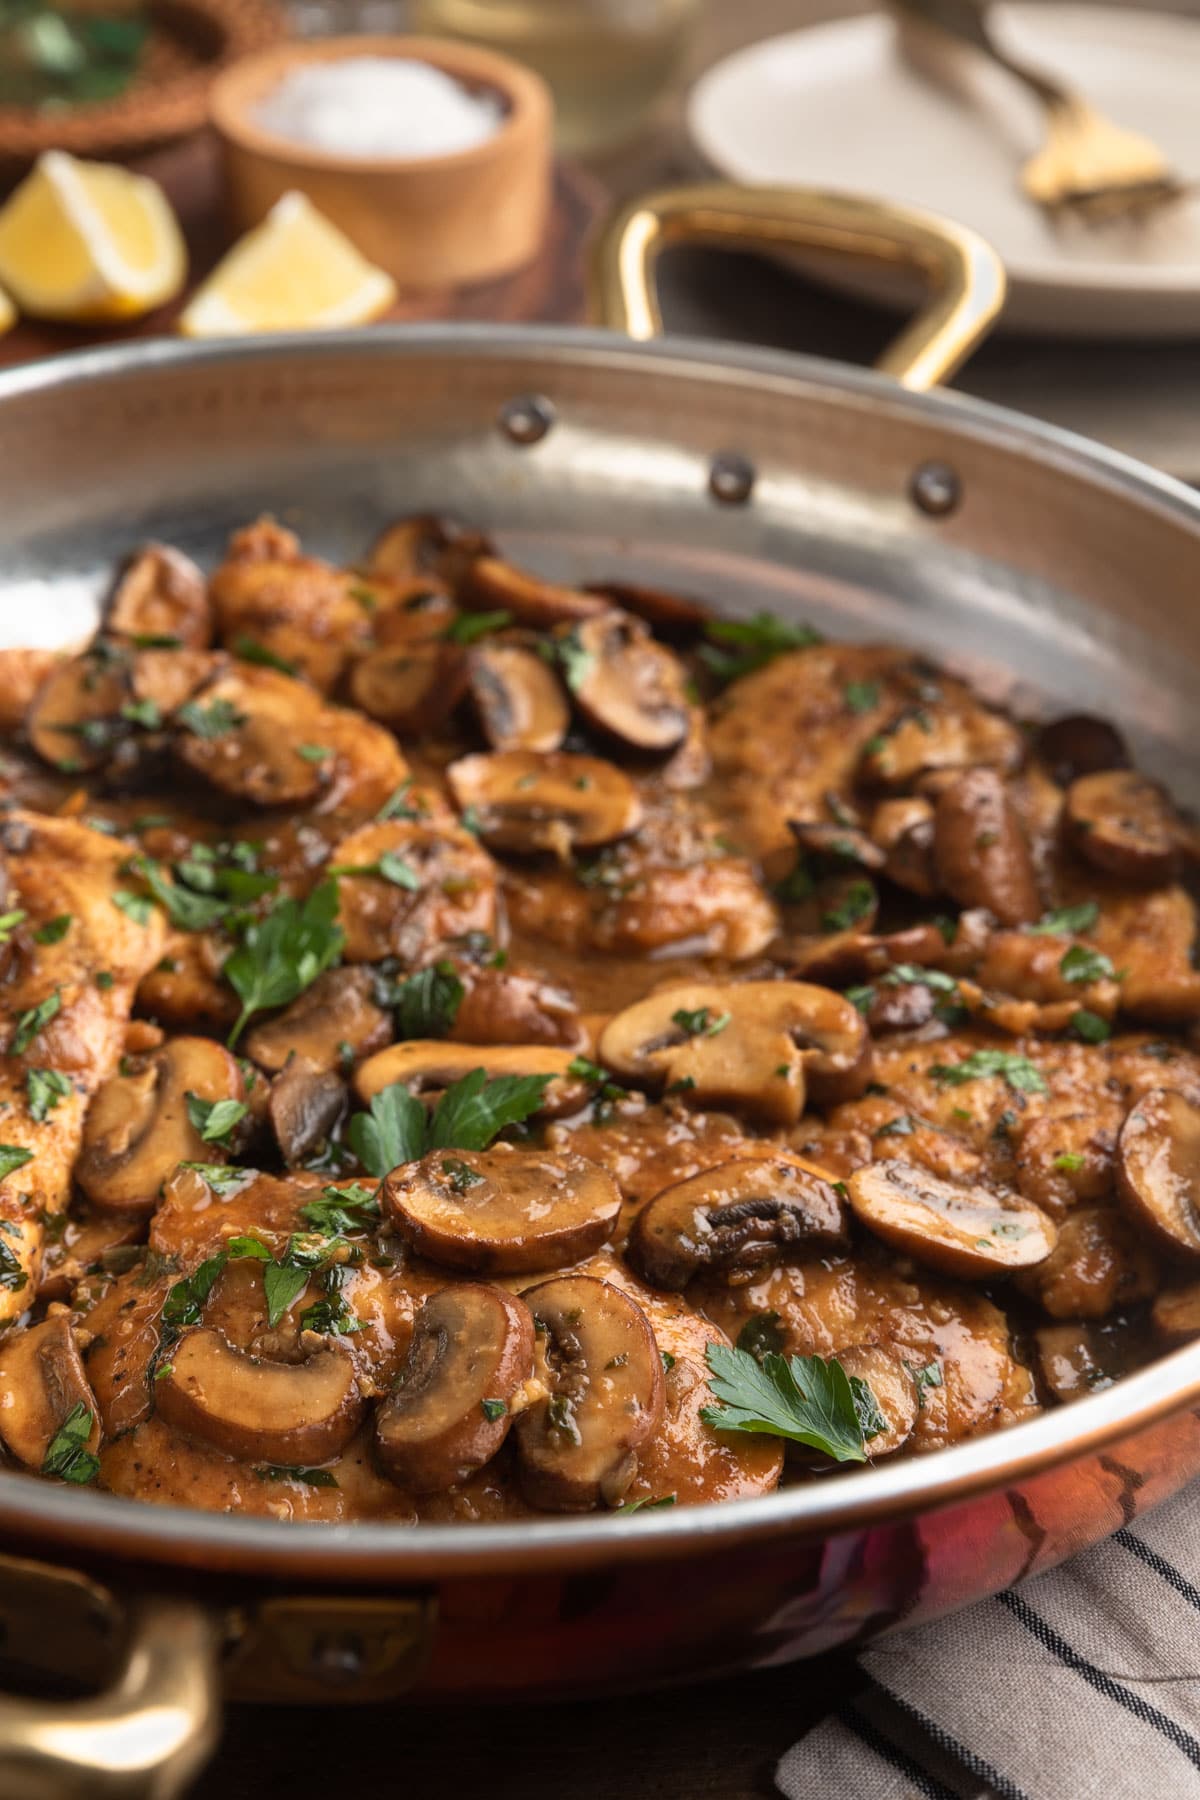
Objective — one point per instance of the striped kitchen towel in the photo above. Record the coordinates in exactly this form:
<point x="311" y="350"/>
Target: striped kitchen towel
<point x="1082" y="1684"/>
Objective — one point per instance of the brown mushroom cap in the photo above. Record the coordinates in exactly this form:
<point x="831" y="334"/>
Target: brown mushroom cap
<point x="137" y="1127"/>
<point x="75" y="718"/>
<point x="950" y="1225"/>
<point x="304" y="1106"/>
<point x="1076" y="1360"/>
<point x="839" y="845"/>
<point x="489" y="583"/>
<point x="336" y="1011"/>
<point x="519" y="698"/>
<point x="161" y="593"/>
<point x="503" y="1211"/>
<point x="736" y="1217"/>
<point x="628" y="685"/>
<point x="257" y="755"/>
<point x="554" y="802"/>
<point x="446" y="888"/>
<point x="1175" y="1314"/>
<point x="1121" y="822"/>
<point x="167" y="678"/>
<point x="41" y="1382"/>
<point x="428" y="1066"/>
<point x="578" y="1448"/>
<point x="677" y="617"/>
<point x="753" y="1044"/>
<point x="1080" y="744"/>
<point x="941" y="735"/>
<point x="903" y="830"/>
<point x="1158" y="1168"/>
<point x="412" y="688"/>
<point x="449" y="1411"/>
<point x="981" y="855"/>
<point x="425" y="545"/>
<point x="896" y="1394"/>
<point x="272" y="1412"/>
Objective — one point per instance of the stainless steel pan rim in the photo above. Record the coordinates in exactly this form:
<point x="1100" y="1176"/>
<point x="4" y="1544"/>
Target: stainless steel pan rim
<point x="120" y="1528"/>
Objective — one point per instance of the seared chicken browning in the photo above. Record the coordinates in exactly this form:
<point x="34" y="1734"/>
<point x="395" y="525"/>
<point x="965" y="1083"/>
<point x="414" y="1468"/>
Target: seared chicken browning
<point x="474" y="1047"/>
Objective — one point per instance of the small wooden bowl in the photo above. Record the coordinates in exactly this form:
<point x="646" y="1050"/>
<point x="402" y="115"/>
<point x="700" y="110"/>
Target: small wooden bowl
<point x="189" y="41"/>
<point x="431" y="222"/>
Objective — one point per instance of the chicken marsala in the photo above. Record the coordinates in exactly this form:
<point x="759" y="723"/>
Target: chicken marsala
<point x="476" y="1048"/>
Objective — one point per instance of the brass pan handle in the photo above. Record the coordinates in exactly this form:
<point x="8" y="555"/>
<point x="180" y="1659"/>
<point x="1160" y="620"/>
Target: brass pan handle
<point x="964" y="275"/>
<point x="143" y="1738"/>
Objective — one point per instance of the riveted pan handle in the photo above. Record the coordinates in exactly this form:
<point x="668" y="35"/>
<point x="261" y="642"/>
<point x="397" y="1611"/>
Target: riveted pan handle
<point x="963" y="274"/>
<point x="143" y="1738"/>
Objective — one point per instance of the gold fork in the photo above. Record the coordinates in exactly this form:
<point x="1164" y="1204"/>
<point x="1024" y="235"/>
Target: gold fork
<point x="1087" y="163"/>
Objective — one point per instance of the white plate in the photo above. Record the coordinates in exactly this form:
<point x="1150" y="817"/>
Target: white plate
<point x="839" y="106"/>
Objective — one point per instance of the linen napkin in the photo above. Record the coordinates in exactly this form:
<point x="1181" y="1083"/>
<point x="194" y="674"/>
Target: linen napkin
<point x="1080" y="1684"/>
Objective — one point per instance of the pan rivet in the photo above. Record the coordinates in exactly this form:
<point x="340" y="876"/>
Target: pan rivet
<point x="731" y="478"/>
<point x="527" y="419"/>
<point x="935" y="489"/>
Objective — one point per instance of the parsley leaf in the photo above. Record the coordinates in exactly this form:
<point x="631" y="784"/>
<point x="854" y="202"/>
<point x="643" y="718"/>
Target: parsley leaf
<point x="645" y="1505"/>
<point x="701" y="1022"/>
<point x="1089" y="1027"/>
<point x="1066" y="921"/>
<point x="223" y="1178"/>
<point x="29" y="1023"/>
<point x="1068" y="1162"/>
<point x="861" y="696"/>
<point x="135" y="906"/>
<point x="9" y="922"/>
<point x="396" y="1128"/>
<point x="317" y="1478"/>
<point x="756" y="642"/>
<point x="214" y="1119"/>
<point x="470" y="626"/>
<point x="282" y="955"/>
<point x="913" y="974"/>
<point x="45" y="1088"/>
<point x="576" y="662"/>
<point x="762" y="1335"/>
<point x="1082" y="963"/>
<point x="426" y="1005"/>
<point x="12" y="1275"/>
<point x="390" y="867"/>
<point x="54" y="930"/>
<point x="804" y="1399"/>
<point x="190" y="911"/>
<point x="341" y="1210"/>
<point x="390" y="1132"/>
<point x="251" y="651"/>
<point x="210" y="721"/>
<point x="857" y="903"/>
<point x="67" y="1454"/>
<point x="185" y="1301"/>
<point x="12" y="1156"/>
<point x="1020" y="1074"/>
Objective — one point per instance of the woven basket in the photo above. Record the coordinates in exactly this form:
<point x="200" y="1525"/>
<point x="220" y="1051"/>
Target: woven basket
<point x="190" y="41"/>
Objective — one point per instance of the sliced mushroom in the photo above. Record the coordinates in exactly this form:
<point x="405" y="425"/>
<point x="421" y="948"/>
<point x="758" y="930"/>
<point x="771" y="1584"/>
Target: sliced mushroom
<point x="1124" y="824"/>
<point x="941" y="735"/>
<point x="903" y="830"/>
<point x="75" y="719"/>
<point x="1099" y="1265"/>
<point x="894" y="1390"/>
<point x="427" y="1066"/>
<point x="304" y="1107"/>
<point x="407" y="888"/>
<point x="1158" y="1169"/>
<point x="450" y="1409"/>
<point x="164" y="679"/>
<point x="556" y="802"/>
<point x="137" y="1127"/>
<point x="506" y="1006"/>
<point x="578" y="1448"/>
<point x="161" y="593"/>
<point x="503" y="1211"/>
<point x="677" y="617"/>
<point x="757" y="1045"/>
<point x="838" y="845"/>
<point x="88" y="1245"/>
<point x="334" y="1023"/>
<point x="628" y="685"/>
<point x="273" y="1412"/>
<point x="416" y="612"/>
<point x="981" y="855"/>
<point x="519" y="698"/>
<point x="735" y="1218"/>
<point x="412" y="689"/>
<point x="1080" y="744"/>
<point x="244" y="733"/>
<point x="1175" y="1314"/>
<point x="425" y="545"/>
<point x="489" y="583"/>
<point x="1076" y="1360"/>
<point x="41" y="1383"/>
<point x="950" y="1225"/>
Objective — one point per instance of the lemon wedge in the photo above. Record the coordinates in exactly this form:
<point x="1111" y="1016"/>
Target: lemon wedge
<point x="8" y="313"/>
<point x="86" y="241"/>
<point x="293" y="272"/>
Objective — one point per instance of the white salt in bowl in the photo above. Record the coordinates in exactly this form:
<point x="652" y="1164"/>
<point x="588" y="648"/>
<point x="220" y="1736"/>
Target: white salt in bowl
<point x="437" y="220"/>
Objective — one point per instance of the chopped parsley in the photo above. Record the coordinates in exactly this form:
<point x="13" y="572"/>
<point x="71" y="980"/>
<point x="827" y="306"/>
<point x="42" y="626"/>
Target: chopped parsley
<point x="252" y="651"/>
<point x="648" y="1504"/>
<point x="12" y="1275"/>
<point x="223" y="1178"/>
<point x="214" y="1119"/>
<point x="861" y="696"/>
<point x="146" y="713"/>
<point x="426" y="1005"/>
<point x="13" y="1156"/>
<point x="459" y="1174"/>
<point x="576" y="662"/>
<point x="1066" y="921"/>
<point x="9" y="922"/>
<point x="67" y="1455"/>
<point x="1021" y="1075"/>
<point x="856" y="904"/>
<point x="701" y="1022"/>
<point x="54" y="930"/>
<point x="390" y="867"/>
<point x="1068" y="1162"/>
<point x="493" y="1409"/>
<point x="213" y="721"/>
<point x="1082" y="963"/>
<point x="396" y="1129"/>
<point x="313" y="753"/>
<point x="468" y="627"/>
<point x="30" y="1022"/>
<point x="342" y="1210"/>
<point x="762" y="1335"/>
<point x="281" y="955"/>
<point x="44" y="1089"/>
<point x="752" y="644"/>
<point x="1089" y="1027"/>
<point x="135" y="906"/>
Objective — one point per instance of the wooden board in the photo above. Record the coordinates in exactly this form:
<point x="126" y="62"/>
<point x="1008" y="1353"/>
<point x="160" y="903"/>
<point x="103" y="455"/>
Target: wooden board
<point x="551" y="289"/>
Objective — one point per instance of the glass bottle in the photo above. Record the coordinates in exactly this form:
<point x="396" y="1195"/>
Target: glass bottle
<point x="607" y="61"/>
